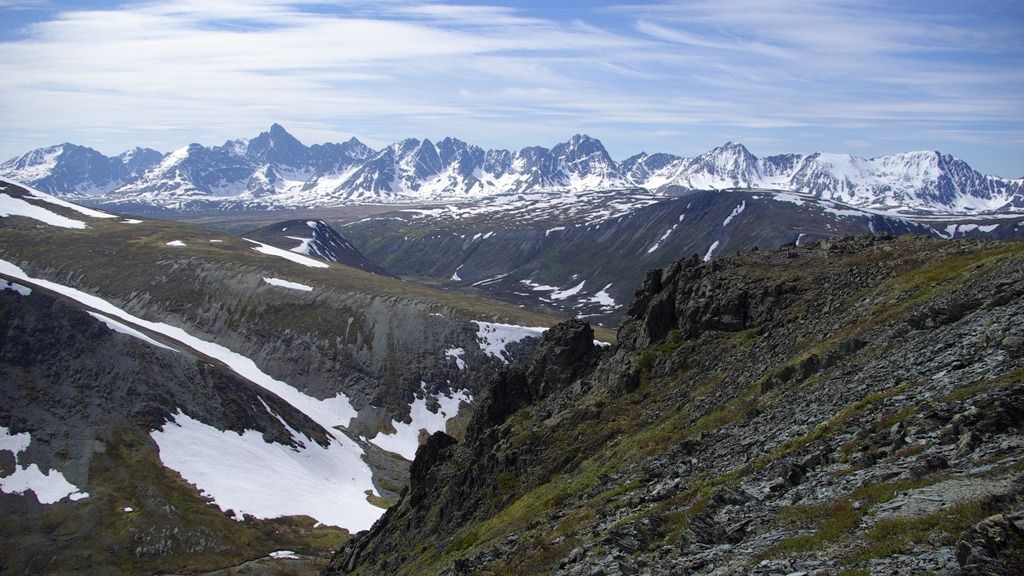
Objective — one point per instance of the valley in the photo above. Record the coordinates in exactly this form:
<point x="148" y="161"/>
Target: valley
<point x="271" y="372"/>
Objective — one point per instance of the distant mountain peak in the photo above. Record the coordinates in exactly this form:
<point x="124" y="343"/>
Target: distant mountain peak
<point x="275" y="169"/>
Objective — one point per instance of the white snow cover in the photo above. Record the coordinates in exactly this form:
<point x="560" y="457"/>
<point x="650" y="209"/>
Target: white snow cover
<point x="602" y="297"/>
<point x="284" y="554"/>
<point x="555" y="229"/>
<point x="711" y="251"/>
<point x="288" y="284"/>
<point x="328" y="412"/>
<point x="303" y="247"/>
<point x="493" y="336"/>
<point x="244" y="473"/>
<point x="563" y="294"/>
<point x="287" y="255"/>
<point x="735" y="212"/>
<point x="23" y="290"/>
<point x="131" y="221"/>
<point x="175" y="243"/>
<point x="406" y="439"/>
<point x="11" y="206"/>
<point x="456" y="353"/>
<point x="538" y="287"/>
<point x="124" y="329"/>
<point x="49" y="487"/>
<point x="58" y="202"/>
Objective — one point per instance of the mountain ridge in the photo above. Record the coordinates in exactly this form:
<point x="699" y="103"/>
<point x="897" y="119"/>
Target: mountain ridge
<point x="276" y="170"/>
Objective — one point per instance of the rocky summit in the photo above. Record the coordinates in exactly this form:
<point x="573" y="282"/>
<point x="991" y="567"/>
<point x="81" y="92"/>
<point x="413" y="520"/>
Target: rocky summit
<point x="852" y="406"/>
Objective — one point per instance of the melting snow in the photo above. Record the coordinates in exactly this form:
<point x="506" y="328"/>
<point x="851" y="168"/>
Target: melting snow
<point x="175" y="243"/>
<point x="303" y="247"/>
<point x="11" y="206"/>
<point x="493" y="337"/>
<point x="284" y="554"/>
<point x="33" y="193"/>
<point x="603" y="297"/>
<point x="456" y="353"/>
<point x="663" y="237"/>
<point x="288" y="284"/>
<point x="23" y="290"/>
<point x="245" y="473"/>
<point x="563" y="294"/>
<point x="406" y="439"/>
<point x="735" y="212"/>
<point x="711" y="251"/>
<point x="124" y="329"/>
<point x="287" y="255"/>
<point x="491" y="280"/>
<point x="49" y="487"/>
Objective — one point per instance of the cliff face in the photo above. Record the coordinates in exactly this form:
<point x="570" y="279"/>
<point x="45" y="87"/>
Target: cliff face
<point x="851" y="405"/>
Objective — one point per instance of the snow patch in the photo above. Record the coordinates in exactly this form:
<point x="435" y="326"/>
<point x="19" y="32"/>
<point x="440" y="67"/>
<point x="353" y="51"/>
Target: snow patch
<point x="288" y="284"/>
<point x="456" y="353"/>
<point x="128" y="330"/>
<point x="555" y="229"/>
<point x="23" y="290"/>
<point x="175" y="243"/>
<point x="49" y="487"/>
<point x="131" y="221"/>
<point x="283" y="554"/>
<point x="287" y="255"/>
<point x="38" y="195"/>
<point x="303" y="247"/>
<point x="493" y="337"/>
<point x="602" y="297"/>
<point x="11" y="206"/>
<point x="711" y="251"/>
<point x="244" y="473"/>
<point x="735" y="212"/>
<point x="406" y="438"/>
<point x="563" y="294"/>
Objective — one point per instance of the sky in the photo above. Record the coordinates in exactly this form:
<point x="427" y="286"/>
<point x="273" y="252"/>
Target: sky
<point x="862" y="77"/>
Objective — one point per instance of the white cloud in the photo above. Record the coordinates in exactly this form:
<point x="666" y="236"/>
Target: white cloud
<point x="170" y="71"/>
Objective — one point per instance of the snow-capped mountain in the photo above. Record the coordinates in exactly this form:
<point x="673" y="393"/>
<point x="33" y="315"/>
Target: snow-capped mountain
<point x="275" y="170"/>
<point x="72" y="170"/>
<point x="912" y="181"/>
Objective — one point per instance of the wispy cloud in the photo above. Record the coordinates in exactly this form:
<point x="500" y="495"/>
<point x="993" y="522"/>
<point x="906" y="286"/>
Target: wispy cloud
<point x="810" y="74"/>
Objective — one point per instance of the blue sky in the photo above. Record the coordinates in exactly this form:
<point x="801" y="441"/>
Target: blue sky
<point x="862" y="77"/>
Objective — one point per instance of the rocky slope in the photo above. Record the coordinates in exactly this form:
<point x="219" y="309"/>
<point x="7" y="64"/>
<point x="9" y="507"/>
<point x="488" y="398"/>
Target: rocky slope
<point x="275" y="170"/>
<point x="543" y="253"/>
<point x="159" y="380"/>
<point x="850" y="406"/>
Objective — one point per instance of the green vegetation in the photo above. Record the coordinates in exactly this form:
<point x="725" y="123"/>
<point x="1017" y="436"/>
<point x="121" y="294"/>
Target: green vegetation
<point x="896" y="535"/>
<point x="831" y="521"/>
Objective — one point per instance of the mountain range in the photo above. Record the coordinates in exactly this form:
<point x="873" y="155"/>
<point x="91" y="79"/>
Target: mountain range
<point x="276" y="170"/>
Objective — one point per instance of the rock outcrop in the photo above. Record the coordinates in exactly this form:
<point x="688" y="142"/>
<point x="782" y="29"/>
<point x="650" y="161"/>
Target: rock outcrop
<point x="849" y="405"/>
